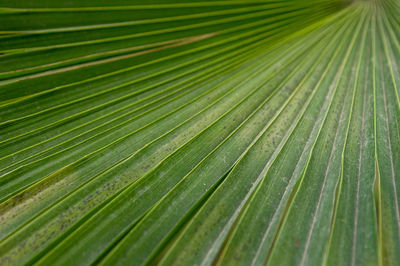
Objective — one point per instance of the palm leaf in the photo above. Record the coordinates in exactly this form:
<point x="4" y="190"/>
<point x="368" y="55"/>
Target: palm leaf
<point x="200" y="132"/>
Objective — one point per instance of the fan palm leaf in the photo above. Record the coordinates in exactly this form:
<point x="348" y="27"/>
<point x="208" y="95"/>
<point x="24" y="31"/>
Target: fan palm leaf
<point x="200" y="132"/>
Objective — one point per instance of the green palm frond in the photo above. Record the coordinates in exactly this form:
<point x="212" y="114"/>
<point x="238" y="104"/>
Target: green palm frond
<point x="200" y="132"/>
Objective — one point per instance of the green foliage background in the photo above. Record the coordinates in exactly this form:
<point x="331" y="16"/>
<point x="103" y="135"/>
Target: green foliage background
<point x="180" y="132"/>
